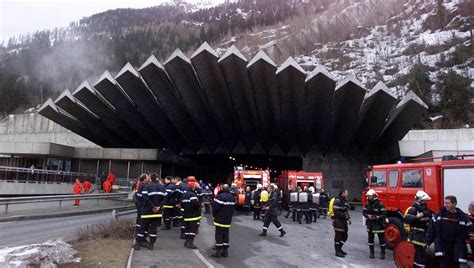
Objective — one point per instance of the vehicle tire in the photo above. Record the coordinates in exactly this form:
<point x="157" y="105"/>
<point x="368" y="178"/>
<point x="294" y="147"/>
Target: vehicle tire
<point x="394" y="232"/>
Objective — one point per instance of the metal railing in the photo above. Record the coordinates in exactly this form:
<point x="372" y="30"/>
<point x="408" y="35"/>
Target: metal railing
<point x="116" y="214"/>
<point x="55" y="198"/>
<point x="42" y="175"/>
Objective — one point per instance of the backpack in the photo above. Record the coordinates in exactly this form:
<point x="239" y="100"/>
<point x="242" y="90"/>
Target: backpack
<point x="331" y="207"/>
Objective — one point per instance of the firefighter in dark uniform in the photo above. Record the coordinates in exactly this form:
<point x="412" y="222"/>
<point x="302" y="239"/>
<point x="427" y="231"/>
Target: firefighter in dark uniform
<point x="178" y="210"/>
<point x="192" y="213"/>
<point x="323" y="203"/>
<point x="169" y="204"/>
<point x="247" y="200"/>
<point x="139" y="201"/>
<point x="376" y="216"/>
<point x="313" y="207"/>
<point x="341" y="221"/>
<point x="418" y="217"/>
<point x="304" y="202"/>
<point x="152" y="195"/>
<point x="292" y="202"/>
<point x="448" y="231"/>
<point x="272" y="213"/>
<point x="470" y="237"/>
<point x="206" y="200"/>
<point x="223" y="210"/>
<point x="257" y="208"/>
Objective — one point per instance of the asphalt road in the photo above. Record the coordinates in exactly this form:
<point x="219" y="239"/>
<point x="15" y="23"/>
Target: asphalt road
<point x="17" y="233"/>
<point x="305" y="245"/>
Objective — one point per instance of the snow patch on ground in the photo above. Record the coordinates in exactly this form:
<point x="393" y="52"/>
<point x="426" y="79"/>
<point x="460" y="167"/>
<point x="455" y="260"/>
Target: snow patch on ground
<point x="52" y="253"/>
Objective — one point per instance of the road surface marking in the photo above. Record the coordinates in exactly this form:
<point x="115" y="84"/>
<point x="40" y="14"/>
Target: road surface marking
<point x="206" y="262"/>
<point x="129" y="262"/>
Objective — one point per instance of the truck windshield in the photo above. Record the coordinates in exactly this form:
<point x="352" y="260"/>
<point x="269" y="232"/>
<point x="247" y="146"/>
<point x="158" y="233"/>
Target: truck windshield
<point x="378" y="178"/>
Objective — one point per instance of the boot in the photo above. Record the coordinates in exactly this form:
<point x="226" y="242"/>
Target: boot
<point x="136" y="245"/>
<point x="225" y="252"/>
<point x="338" y="251"/>
<point x="371" y="249"/>
<point x="191" y="245"/>
<point x="218" y="252"/>
<point x="342" y="251"/>
<point x="282" y="233"/>
<point x="150" y="246"/>
<point x="382" y="253"/>
<point x="263" y="233"/>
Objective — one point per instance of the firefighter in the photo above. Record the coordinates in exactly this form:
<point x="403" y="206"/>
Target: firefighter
<point x="153" y="195"/>
<point x="323" y="203"/>
<point x="247" y="200"/>
<point x="448" y="231"/>
<point x="375" y="214"/>
<point x="470" y="211"/>
<point x="169" y="203"/>
<point x="138" y="198"/>
<point x="111" y="177"/>
<point x="207" y="198"/>
<point x="264" y="195"/>
<point x="155" y="178"/>
<point x="292" y="202"/>
<point x="87" y="186"/>
<point x="223" y="210"/>
<point x="313" y="208"/>
<point x="272" y="212"/>
<point x="192" y="212"/>
<point x="178" y="211"/>
<point x="304" y="202"/>
<point x="257" y="208"/>
<point x="341" y="221"/>
<point x="418" y="218"/>
<point x="77" y="189"/>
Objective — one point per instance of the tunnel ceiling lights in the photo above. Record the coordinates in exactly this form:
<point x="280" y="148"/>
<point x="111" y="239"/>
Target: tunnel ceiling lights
<point x="244" y="108"/>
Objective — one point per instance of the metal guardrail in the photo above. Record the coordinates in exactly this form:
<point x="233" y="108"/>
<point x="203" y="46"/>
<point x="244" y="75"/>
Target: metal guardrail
<point x="116" y="214"/>
<point x="42" y="175"/>
<point x="55" y="198"/>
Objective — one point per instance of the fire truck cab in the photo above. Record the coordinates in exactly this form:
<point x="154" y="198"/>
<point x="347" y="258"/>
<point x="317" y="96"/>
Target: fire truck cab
<point x="299" y="178"/>
<point x="397" y="184"/>
<point x="244" y="178"/>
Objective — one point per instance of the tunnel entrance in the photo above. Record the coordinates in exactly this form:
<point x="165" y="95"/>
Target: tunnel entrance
<point x="220" y="168"/>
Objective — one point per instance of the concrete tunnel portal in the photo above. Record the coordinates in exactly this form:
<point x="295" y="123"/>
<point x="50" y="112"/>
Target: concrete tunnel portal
<point x="210" y="107"/>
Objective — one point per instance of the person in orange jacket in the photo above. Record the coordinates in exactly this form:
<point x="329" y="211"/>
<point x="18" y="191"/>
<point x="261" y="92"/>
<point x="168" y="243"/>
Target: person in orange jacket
<point x="87" y="186"/>
<point x="107" y="186"/>
<point x="77" y="190"/>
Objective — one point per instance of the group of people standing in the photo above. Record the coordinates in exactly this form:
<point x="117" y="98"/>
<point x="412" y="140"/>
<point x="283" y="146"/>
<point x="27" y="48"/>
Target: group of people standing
<point x="308" y="202"/>
<point x="179" y="203"/>
<point x="78" y="187"/>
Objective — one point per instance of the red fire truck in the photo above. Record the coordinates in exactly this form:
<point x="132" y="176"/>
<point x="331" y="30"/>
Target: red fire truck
<point x="299" y="178"/>
<point x="396" y="185"/>
<point x="244" y="178"/>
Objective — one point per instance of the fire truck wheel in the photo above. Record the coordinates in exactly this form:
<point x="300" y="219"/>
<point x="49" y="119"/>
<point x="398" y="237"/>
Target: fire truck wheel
<point x="394" y="232"/>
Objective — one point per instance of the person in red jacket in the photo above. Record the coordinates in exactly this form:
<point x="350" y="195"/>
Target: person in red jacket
<point x="87" y="186"/>
<point x="77" y="190"/>
<point x="111" y="177"/>
<point x="107" y="186"/>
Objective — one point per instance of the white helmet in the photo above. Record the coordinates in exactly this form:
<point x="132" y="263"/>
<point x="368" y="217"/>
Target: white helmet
<point x="421" y="195"/>
<point x="259" y="186"/>
<point x="234" y="184"/>
<point x="370" y="192"/>
<point x="311" y="188"/>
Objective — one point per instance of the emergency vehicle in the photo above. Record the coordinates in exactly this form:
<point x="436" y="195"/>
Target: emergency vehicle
<point x="397" y="184"/>
<point x="299" y="178"/>
<point x="244" y="178"/>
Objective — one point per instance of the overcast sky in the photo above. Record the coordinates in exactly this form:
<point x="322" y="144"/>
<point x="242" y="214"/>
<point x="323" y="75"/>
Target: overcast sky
<point x="23" y="16"/>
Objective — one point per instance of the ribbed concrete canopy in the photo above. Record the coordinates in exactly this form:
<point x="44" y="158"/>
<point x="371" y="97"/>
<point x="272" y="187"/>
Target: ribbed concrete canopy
<point x="208" y="104"/>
